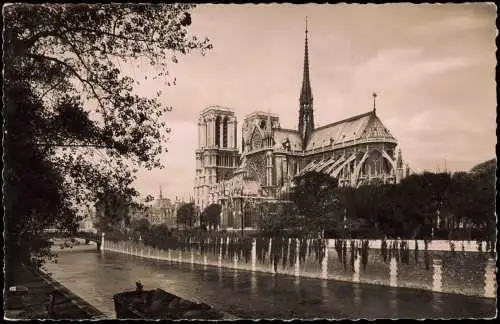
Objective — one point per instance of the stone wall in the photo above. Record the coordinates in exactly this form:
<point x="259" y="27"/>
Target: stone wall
<point x="465" y="268"/>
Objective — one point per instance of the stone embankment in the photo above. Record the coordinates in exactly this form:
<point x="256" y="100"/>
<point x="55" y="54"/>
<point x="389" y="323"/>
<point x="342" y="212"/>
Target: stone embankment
<point x="466" y="268"/>
<point x="40" y="297"/>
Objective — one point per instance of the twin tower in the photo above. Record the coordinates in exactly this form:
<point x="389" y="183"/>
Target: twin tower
<point x="217" y="156"/>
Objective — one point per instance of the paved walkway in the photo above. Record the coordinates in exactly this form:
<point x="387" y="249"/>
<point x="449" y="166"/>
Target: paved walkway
<point x="34" y="303"/>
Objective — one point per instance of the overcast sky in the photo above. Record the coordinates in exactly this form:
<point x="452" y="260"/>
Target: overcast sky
<point x="432" y="66"/>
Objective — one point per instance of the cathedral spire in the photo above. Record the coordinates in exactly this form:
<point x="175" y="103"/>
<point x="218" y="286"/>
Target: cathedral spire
<point x="306" y="114"/>
<point x="306" y="93"/>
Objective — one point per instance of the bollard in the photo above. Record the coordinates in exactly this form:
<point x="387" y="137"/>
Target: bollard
<point x="102" y="242"/>
<point x="204" y="262"/>
<point x="490" y="279"/>
<point x="437" y="276"/>
<point x="180" y="257"/>
<point x="254" y="254"/>
<point x="393" y="272"/>
<point x="357" y="267"/>
<point x="192" y="257"/>
<point x="297" y="259"/>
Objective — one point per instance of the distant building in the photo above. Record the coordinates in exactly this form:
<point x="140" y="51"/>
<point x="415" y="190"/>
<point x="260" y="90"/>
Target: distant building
<point x="162" y="212"/>
<point x="357" y="150"/>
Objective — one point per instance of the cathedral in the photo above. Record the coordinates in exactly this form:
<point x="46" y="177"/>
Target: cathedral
<point x="357" y="150"/>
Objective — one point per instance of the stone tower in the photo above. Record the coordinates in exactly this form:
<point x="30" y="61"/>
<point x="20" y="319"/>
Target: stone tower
<point x="217" y="155"/>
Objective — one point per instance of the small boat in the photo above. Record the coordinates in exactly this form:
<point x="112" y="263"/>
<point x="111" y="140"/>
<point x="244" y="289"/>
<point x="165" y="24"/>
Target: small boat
<point x="159" y="304"/>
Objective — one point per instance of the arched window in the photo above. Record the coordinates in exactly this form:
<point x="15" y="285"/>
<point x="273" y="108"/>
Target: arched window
<point x="217" y="131"/>
<point x="224" y="132"/>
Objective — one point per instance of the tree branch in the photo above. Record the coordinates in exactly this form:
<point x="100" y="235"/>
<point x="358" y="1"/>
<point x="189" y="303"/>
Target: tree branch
<point x="75" y="73"/>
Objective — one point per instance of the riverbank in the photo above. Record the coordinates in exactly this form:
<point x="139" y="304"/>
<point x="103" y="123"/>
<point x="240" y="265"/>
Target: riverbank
<point x="466" y="270"/>
<point x="34" y="302"/>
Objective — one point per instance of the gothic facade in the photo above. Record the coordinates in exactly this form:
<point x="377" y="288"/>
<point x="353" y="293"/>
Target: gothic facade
<point x="357" y="150"/>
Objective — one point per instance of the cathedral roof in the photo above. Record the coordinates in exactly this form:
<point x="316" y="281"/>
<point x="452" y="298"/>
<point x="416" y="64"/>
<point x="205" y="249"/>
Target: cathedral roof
<point x="281" y="135"/>
<point x="366" y="125"/>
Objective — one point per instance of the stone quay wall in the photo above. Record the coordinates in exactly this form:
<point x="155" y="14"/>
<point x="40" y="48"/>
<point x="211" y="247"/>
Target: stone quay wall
<point x="456" y="267"/>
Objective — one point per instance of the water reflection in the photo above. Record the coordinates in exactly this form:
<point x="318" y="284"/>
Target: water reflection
<point x="235" y="278"/>
<point x="393" y="297"/>
<point x="437" y="301"/>
<point x="253" y="283"/>
<point x="324" y="290"/>
<point x="356" y="295"/>
<point x="97" y="277"/>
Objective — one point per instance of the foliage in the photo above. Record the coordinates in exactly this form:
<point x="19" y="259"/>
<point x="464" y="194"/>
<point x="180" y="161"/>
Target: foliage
<point x="186" y="215"/>
<point x="34" y="197"/>
<point x="277" y="217"/>
<point x="211" y="215"/>
<point x="140" y="228"/>
<point x="157" y="236"/>
<point x="409" y="209"/>
<point x="71" y="113"/>
<point x="316" y="199"/>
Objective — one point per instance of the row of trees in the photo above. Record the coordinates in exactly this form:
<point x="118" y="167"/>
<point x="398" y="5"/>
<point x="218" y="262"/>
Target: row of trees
<point x="420" y="206"/>
<point x="187" y="216"/>
<point x="428" y="205"/>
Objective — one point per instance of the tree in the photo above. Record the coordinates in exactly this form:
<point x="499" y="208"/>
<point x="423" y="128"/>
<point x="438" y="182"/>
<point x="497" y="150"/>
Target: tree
<point x="86" y="129"/>
<point x="140" y="228"/>
<point x="158" y="235"/>
<point x="278" y="217"/>
<point x="186" y="215"/>
<point x="211" y="215"/>
<point x="314" y="195"/>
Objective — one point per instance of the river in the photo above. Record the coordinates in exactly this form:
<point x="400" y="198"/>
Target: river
<point x="96" y="276"/>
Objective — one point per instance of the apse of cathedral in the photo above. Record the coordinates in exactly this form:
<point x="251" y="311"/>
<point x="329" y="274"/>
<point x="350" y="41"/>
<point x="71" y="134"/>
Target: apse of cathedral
<point x="357" y="150"/>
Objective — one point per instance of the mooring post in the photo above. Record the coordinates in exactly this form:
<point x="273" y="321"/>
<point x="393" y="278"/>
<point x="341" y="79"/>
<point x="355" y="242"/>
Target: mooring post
<point x="102" y="242"/>
<point x="490" y="279"/>
<point x="393" y="272"/>
<point x="437" y="275"/>
<point x="357" y="266"/>
<point x="297" y="258"/>
<point x="254" y="254"/>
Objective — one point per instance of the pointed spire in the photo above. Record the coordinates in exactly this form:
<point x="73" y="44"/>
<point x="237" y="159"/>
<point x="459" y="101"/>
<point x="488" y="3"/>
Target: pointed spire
<point x="374" y="102"/>
<point x="161" y="194"/>
<point x="306" y="93"/>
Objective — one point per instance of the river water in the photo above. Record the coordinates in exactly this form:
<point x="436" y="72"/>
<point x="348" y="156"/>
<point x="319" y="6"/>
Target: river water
<point x="96" y="276"/>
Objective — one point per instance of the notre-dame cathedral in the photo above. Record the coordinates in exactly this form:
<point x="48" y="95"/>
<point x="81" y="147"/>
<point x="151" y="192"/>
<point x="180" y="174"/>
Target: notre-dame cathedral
<point x="357" y="150"/>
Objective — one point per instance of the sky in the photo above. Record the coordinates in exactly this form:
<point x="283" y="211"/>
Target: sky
<point x="432" y="67"/>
